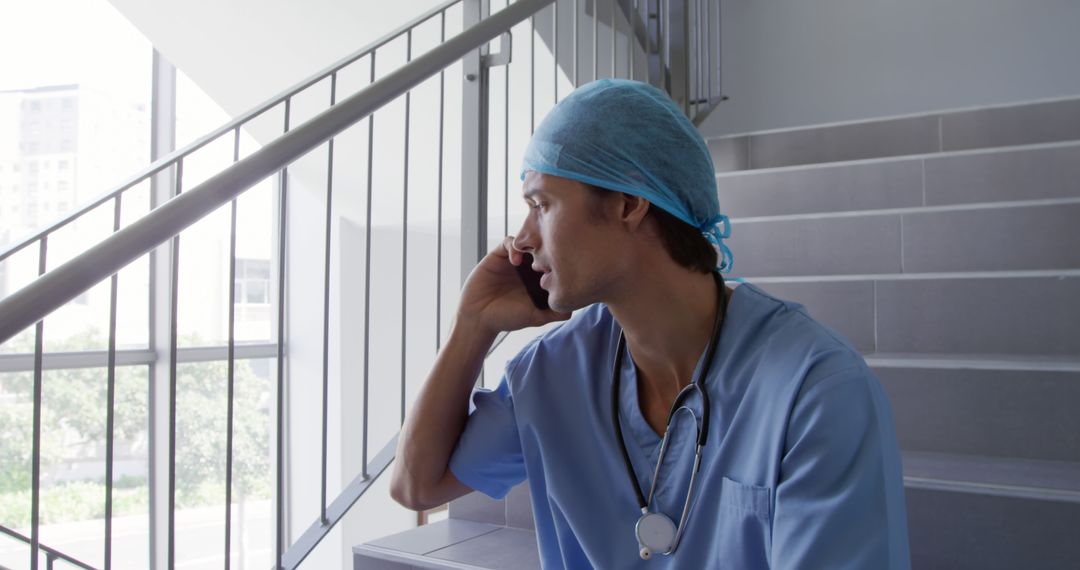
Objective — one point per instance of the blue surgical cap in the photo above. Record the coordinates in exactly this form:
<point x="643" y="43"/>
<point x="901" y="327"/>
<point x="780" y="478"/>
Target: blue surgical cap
<point x="630" y="137"/>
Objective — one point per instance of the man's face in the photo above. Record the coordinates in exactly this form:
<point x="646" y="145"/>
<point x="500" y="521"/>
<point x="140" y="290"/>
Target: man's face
<point x="574" y="244"/>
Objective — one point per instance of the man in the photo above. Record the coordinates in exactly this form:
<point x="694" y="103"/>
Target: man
<point x="798" y="464"/>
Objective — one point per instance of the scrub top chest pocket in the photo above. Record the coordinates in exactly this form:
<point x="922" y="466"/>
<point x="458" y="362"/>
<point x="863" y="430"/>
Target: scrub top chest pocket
<point x="743" y="526"/>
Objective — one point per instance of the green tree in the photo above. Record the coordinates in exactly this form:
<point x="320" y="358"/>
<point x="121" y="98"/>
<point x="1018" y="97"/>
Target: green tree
<point x="74" y="403"/>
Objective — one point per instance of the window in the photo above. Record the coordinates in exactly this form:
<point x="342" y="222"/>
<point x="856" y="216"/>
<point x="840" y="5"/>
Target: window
<point x="252" y="282"/>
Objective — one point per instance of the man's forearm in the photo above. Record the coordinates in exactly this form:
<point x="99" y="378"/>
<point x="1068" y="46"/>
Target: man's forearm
<point x="438" y="416"/>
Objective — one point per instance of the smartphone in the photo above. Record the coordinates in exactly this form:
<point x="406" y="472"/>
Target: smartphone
<point x="531" y="280"/>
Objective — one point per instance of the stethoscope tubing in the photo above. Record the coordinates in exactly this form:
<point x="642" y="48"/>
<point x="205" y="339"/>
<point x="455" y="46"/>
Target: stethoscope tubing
<point x="702" y="424"/>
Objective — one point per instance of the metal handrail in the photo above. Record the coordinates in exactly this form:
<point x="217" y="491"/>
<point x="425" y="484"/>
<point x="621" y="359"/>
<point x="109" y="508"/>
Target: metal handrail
<point x="51" y="553"/>
<point x="173" y="157"/>
<point x="55" y="288"/>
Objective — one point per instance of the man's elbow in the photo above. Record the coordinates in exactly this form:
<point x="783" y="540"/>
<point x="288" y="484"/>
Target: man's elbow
<point x="407" y="493"/>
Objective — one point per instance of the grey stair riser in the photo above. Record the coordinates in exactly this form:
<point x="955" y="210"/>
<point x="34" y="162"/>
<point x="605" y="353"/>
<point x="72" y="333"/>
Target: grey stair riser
<point x="991" y="413"/>
<point x="1021" y="174"/>
<point x="1017" y="238"/>
<point x="1033" y="316"/>
<point x="362" y="562"/>
<point x="917" y="135"/>
<point x="841" y="188"/>
<point x="478" y="507"/>
<point x="1006" y="126"/>
<point x="985" y="128"/>
<point x="1026" y="316"/>
<point x="1013" y="174"/>
<point x="514" y="510"/>
<point x="999" y="239"/>
<point x="838" y="246"/>
<point x="962" y="531"/>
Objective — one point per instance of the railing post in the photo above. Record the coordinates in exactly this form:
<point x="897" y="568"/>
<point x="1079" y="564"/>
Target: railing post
<point x="474" y="147"/>
<point x="163" y="140"/>
<point x="675" y="37"/>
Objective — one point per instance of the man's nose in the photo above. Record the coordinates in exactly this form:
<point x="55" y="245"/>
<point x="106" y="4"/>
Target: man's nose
<point x="525" y="240"/>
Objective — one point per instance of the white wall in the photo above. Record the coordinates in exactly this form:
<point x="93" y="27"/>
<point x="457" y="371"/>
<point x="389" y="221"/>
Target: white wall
<point x="789" y="63"/>
<point x="269" y="44"/>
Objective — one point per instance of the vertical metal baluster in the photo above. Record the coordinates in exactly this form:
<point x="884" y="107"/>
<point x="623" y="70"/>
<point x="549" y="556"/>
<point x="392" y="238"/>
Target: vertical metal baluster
<point x="708" y="51"/>
<point x="719" y="51"/>
<point x="631" y="40"/>
<point x="555" y="49"/>
<point x="110" y="397"/>
<point x="506" y="146"/>
<point x="577" y="81"/>
<point x="367" y="282"/>
<point x="532" y="73"/>
<point x="698" y="54"/>
<point x="405" y="232"/>
<point x="648" y="40"/>
<point x="326" y="302"/>
<point x="595" y="40"/>
<point x="35" y="491"/>
<point x="174" y="286"/>
<point x="614" y="60"/>
<point x="49" y="559"/>
<point x="279" y="515"/>
<point x="438" y="247"/>
<point x="231" y="365"/>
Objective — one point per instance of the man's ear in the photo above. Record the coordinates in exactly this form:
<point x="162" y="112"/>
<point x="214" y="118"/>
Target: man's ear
<point x="633" y="210"/>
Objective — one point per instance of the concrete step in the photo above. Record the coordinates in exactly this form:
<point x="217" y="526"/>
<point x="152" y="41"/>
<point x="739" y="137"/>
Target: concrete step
<point x="1022" y="173"/>
<point x="957" y="509"/>
<point x="1020" y="124"/>
<point x="950" y="529"/>
<point x="1009" y="209"/>
<point x="1014" y="315"/>
<point x="452" y="543"/>
<point x="1057" y="481"/>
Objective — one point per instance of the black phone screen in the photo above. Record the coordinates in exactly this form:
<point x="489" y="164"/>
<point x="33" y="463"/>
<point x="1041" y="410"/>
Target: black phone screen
<point x="531" y="280"/>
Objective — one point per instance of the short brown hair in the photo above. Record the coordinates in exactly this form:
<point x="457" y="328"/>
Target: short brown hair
<point x="683" y="242"/>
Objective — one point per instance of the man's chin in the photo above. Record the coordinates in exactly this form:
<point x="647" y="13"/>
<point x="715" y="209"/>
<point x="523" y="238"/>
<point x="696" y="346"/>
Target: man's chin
<point x="562" y="305"/>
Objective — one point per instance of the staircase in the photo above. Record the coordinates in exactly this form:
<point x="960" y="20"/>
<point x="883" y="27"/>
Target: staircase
<point x="946" y="248"/>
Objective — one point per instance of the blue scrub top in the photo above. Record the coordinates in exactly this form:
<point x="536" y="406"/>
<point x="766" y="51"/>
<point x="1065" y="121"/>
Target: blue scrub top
<point x="801" y="468"/>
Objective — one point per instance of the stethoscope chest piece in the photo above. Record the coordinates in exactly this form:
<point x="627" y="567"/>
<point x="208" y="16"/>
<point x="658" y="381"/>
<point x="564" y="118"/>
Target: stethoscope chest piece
<point x="655" y="533"/>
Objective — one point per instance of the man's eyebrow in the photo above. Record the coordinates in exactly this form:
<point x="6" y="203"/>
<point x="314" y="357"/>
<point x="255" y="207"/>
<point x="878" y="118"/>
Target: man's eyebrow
<point x="531" y="193"/>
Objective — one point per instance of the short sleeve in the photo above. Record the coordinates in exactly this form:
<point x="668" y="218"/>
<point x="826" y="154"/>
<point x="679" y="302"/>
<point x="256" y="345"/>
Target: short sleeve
<point x="488" y="456"/>
<point x="839" y="500"/>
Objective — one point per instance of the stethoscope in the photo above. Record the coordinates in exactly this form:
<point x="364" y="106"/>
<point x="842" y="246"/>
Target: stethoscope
<point x="655" y="531"/>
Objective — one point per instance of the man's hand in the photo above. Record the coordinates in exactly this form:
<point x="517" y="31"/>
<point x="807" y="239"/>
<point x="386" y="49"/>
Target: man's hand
<point x="493" y="298"/>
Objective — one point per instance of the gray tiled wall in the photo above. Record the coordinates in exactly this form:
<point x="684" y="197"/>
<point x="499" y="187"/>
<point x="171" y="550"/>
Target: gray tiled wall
<point x="1033" y="174"/>
<point x="845" y="306"/>
<point x="1015" y="316"/>
<point x="1045" y="122"/>
<point x="984" y="532"/>
<point x="845" y="142"/>
<point x="1028" y="317"/>
<point x="834" y="188"/>
<point x="998" y="239"/>
<point x="1024" y="414"/>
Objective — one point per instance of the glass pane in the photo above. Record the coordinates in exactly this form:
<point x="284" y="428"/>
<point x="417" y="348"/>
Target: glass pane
<point x="74" y="122"/>
<point x="201" y="428"/>
<point x="73" y="463"/>
<point x="204" y="248"/>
